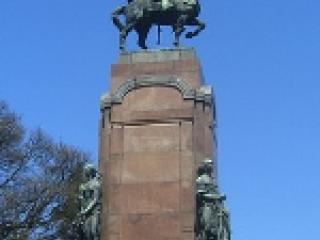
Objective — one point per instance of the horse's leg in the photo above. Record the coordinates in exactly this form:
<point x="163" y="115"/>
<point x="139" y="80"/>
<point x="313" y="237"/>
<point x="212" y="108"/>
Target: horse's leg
<point x="196" y="22"/>
<point x="178" y="29"/>
<point x="124" y="33"/>
<point x="115" y="19"/>
<point x="122" y="28"/>
<point x="142" y="31"/>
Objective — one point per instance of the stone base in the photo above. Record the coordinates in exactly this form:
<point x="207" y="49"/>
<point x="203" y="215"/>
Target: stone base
<point x="157" y="124"/>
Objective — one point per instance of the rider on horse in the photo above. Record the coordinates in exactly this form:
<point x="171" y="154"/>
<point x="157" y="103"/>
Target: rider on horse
<point x="141" y="15"/>
<point x="165" y="4"/>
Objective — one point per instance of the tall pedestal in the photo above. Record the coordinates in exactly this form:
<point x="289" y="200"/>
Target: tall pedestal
<point x="157" y="125"/>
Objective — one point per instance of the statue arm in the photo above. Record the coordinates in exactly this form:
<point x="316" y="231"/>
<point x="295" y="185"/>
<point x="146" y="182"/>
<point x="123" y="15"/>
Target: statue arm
<point x="94" y="203"/>
<point x="90" y="207"/>
<point x="80" y="199"/>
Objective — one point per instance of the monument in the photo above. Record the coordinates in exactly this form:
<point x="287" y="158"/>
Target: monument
<point x="157" y="154"/>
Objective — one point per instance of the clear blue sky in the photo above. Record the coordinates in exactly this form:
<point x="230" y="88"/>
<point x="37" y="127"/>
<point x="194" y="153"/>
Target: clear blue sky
<point x="262" y="57"/>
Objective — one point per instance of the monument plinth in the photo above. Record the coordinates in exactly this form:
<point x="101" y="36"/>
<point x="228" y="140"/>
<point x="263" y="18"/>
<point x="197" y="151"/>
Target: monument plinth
<point x="157" y="127"/>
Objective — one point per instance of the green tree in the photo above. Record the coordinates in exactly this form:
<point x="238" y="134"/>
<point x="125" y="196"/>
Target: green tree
<point x="39" y="181"/>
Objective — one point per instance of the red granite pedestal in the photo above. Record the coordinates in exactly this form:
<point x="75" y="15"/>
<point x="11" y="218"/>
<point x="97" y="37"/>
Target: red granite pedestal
<point x="157" y="125"/>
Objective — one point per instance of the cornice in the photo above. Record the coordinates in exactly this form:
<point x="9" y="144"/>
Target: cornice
<point x="204" y="94"/>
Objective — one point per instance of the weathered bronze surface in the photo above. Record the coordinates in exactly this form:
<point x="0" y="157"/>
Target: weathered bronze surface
<point x="140" y="15"/>
<point x="212" y="220"/>
<point x="90" y="205"/>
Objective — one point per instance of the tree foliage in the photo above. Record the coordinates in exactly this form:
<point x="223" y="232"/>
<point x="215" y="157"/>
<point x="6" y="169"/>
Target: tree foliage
<point x="39" y="181"/>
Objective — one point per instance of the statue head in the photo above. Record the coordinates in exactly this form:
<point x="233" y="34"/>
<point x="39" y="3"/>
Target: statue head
<point x="208" y="161"/>
<point x="90" y="172"/>
<point x="206" y="167"/>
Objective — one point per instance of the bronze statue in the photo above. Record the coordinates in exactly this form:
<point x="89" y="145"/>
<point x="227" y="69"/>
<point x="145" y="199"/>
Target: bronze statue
<point x="212" y="221"/>
<point x="140" y="15"/>
<point x="90" y="204"/>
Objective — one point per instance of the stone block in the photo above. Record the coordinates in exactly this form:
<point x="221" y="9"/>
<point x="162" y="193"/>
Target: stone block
<point x="187" y="196"/>
<point x="150" y="167"/>
<point x="187" y="53"/>
<point x="113" y="169"/>
<point x="186" y="65"/>
<point x="186" y="136"/>
<point x="155" y="227"/>
<point x="121" y="70"/>
<point x="192" y="77"/>
<point x="113" y="202"/>
<point x="147" y="198"/>
<point x="153" y="68"/>
<point x="187" y="222"/>
<point x="153" y="99"/>
<point x="187" y="235"/>
<point x="162" y="55"/>
<point x="114" y="224"/>
<point x="151" y="138"/>
<point x="116" y="140"/>
<point x="132" y="117"/>
<point x="187" y="167"/>
<point x="113" y="237"/>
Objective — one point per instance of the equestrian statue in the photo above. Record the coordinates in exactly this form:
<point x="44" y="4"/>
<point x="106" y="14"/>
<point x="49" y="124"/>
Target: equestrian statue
<point x="141" y="15"/>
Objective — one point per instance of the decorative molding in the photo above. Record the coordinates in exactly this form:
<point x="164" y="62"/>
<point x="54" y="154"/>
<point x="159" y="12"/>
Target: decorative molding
<point x="204" y="94"/>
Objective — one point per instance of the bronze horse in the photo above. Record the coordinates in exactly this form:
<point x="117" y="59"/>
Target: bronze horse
<point x="140" y="15"/>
